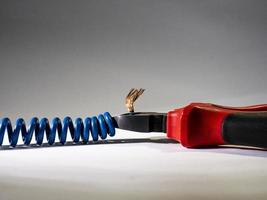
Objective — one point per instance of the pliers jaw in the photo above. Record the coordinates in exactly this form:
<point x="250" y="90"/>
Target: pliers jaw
<point x="141" y="121"/>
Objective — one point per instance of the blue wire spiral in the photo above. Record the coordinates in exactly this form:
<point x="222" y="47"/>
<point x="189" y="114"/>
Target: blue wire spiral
<point x="98" y="126"/>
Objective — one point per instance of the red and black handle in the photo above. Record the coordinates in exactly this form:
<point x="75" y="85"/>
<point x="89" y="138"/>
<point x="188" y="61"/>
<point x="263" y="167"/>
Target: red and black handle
<point x="203" y="124"/>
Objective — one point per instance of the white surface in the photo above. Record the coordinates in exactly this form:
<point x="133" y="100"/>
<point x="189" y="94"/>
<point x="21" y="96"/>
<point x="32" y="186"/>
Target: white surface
<point x="145" y="170"/>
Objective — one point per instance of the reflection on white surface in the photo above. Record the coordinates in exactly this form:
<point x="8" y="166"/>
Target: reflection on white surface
<point x="144" y="170"/>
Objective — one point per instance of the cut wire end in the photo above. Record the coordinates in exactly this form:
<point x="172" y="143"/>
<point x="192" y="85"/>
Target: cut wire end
<point x="132" y="97"/>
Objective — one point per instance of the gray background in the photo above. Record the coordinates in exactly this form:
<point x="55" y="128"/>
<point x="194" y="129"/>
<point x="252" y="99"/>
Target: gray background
<point x="80" y="58"/>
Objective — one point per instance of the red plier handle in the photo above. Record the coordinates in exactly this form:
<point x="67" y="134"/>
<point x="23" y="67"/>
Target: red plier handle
<point x="204" y="124"/>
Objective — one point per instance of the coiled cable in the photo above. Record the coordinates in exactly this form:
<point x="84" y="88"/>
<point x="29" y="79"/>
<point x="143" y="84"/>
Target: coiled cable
<point x="80" y="130"/>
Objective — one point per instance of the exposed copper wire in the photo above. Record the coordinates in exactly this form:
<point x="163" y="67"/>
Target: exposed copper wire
<point x="132" y="97"/>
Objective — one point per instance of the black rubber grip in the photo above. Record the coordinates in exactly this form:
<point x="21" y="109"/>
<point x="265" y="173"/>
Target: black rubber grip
<point x="246" y="128"/>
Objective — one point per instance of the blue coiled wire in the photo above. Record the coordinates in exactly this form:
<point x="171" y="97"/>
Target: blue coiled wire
<point x="97" y="126"/>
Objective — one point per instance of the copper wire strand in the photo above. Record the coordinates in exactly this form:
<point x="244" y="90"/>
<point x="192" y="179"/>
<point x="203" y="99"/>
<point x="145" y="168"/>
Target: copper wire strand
<point x="132" y="97"/>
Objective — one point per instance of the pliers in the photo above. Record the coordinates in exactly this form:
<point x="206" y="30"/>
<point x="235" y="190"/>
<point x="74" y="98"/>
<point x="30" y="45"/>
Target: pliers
<point x="200" y="124"/>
